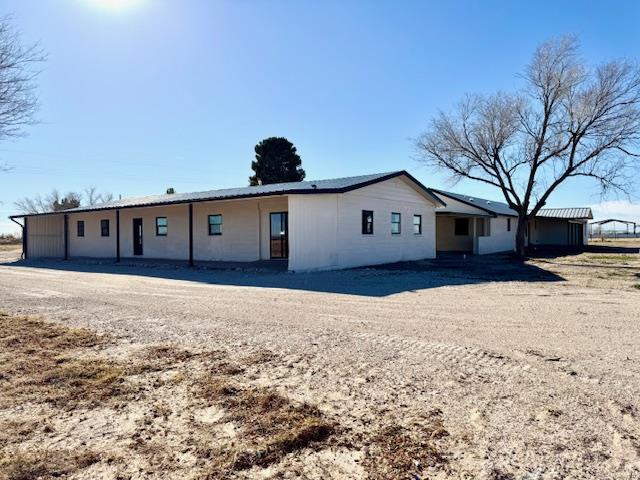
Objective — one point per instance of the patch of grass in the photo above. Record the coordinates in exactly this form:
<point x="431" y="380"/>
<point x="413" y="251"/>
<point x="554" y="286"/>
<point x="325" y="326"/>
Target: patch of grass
<point x="39" y="363"/>
<point x="611" y="259"/>
<point x="18" y="428"/>
<point x="637" y="286"/>
<point x="273" y="426"/>
<point x="159" y="357"/>
<point x="26" y="335"/>
<point x="45" y="464"/>
<point x="400" y="452"/>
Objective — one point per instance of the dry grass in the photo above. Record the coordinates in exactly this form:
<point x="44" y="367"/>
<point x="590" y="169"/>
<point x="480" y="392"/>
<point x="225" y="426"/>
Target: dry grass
<point x="47" y="364"/>
<point x="623" y="259"/>
<point x="273" y="426"/>
<point x="59" y="367"/>
<point x="397" y="451"/>
<point x="44" y="464"/>
<point x="40" y="363"/>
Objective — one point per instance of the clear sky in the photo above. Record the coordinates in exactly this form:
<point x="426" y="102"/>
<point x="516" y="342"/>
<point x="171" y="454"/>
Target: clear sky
<point x="141" y="95"/>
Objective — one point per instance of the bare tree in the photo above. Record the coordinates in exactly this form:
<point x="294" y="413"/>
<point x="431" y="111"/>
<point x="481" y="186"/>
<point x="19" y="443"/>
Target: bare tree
<point x="18" y="101"/>
<point x="52" y="202"/>
<point x="568" y="121"/>
<point x="93" y="197"/>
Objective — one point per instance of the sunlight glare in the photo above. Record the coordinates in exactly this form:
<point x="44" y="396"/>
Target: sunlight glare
<point x="114" y="4"/>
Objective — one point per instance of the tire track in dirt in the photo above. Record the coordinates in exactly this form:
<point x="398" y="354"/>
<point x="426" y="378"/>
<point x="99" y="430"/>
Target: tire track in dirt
<point x="453" y="355"/>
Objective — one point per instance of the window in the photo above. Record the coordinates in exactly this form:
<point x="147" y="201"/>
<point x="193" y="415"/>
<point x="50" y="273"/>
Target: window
<point x="367" y="222"/>
<point x="215" y="224"/>
<point x="395" y="224"/>
<point x="417" y="224"/>
<point x="462" y="227"/>
<point x="80" y="228"/>
<point x="508" y="224"/>
<point x="162" y="226"/>
<point x="104" y="228"/>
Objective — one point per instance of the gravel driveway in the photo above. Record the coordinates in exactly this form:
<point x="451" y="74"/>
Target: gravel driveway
<point x="536" y="378"/>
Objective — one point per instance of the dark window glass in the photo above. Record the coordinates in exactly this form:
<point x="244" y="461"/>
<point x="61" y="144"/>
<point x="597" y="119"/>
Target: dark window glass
<point x="508" y="224"/>
<point x="367" y="222"/>
<point x="395" y="223"/>
<point x="80" y="226"/>
<point x="104" y="228"/>
<point x="462" y="226"/>
<point x="417" y="224"/>
<point x="162" y="226"/>
<point x="215" y="224"/>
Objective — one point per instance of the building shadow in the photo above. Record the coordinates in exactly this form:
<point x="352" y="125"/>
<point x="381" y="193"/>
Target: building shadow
<point x="378" y="281"/>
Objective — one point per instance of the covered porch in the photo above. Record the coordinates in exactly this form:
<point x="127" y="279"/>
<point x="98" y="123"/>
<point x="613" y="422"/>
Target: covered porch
<point x="461" y="233"/>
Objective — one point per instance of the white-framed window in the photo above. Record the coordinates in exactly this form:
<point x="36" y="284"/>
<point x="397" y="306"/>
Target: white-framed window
<point x="417" y="224"/>
<point x="396" y="227"/>
<point x="162" y="226"/>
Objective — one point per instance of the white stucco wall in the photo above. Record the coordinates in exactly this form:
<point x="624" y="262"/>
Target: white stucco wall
<point x="313" y="228"/>
<point x="45" y="236"/>
<point x="245" y="231"/>
<point x="92" y="244"/>
<point x="326" y="230"/>
<point x="500" y="239"/>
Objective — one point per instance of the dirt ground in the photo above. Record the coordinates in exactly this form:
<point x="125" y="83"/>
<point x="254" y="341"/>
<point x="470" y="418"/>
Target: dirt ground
<point x="474" y="368"/>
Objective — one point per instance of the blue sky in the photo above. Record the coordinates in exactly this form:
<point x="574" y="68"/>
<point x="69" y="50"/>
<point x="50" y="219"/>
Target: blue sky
<point x="157" y="93"/>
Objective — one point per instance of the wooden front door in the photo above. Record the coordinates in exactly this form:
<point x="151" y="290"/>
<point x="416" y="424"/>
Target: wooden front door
<point x="279" y="235"/>
<point x="137" y="236"/>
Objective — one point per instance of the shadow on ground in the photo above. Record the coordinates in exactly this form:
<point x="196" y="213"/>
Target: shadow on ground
<point x="378" y="281"/>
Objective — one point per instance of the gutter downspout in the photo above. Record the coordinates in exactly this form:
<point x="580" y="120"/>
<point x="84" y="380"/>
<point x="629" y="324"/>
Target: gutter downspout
<point x="23" y="255"/>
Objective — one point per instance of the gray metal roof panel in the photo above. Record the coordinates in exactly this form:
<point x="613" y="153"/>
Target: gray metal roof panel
<point x="491" y="206"/>
<point x="335" y="185"/>
<point x="579" y="213"/>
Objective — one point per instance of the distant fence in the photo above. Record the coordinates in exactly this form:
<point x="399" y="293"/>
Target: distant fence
<point x="613" y="234"/>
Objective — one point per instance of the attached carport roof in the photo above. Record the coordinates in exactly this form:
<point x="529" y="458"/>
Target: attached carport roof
<point x="335" y="185"/>
<point x="582" y="213"/>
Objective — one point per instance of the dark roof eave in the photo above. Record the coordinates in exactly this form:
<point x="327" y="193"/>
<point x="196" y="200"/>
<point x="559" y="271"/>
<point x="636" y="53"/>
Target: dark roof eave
<point x="256" y="195"/>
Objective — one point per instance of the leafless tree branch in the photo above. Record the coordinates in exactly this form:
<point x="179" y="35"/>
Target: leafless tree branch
<point x="568" y="121"/>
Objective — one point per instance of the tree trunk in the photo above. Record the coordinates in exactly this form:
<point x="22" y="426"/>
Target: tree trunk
<point x="521" y="236"/>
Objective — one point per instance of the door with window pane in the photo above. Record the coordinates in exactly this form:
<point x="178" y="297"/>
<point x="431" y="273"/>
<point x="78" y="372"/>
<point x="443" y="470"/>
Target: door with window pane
<point x="279" y="235"/>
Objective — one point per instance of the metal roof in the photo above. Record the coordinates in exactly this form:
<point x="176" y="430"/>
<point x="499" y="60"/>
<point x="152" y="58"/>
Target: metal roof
<point x="612" y="220"/>
<point x="335" y="185"/>
<point x="489" y="206"/>
<point x="566" y="213"/>
<point x="500" y="208"/>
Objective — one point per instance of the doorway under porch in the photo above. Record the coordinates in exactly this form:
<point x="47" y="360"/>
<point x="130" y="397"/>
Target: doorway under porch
<point x="461" y="233"/>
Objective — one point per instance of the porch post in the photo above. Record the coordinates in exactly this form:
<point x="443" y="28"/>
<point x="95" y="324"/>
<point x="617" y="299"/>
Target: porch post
<point x="118" y="236"/>
<point x="191" y="234"/>
<point x="474" y="234"/>
<point x="66" y="236"/>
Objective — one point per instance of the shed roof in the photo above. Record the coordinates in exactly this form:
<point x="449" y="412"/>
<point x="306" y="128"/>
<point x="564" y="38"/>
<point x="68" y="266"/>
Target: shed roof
<point x="581" y="213"/>
<point x="334" y="185"/>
